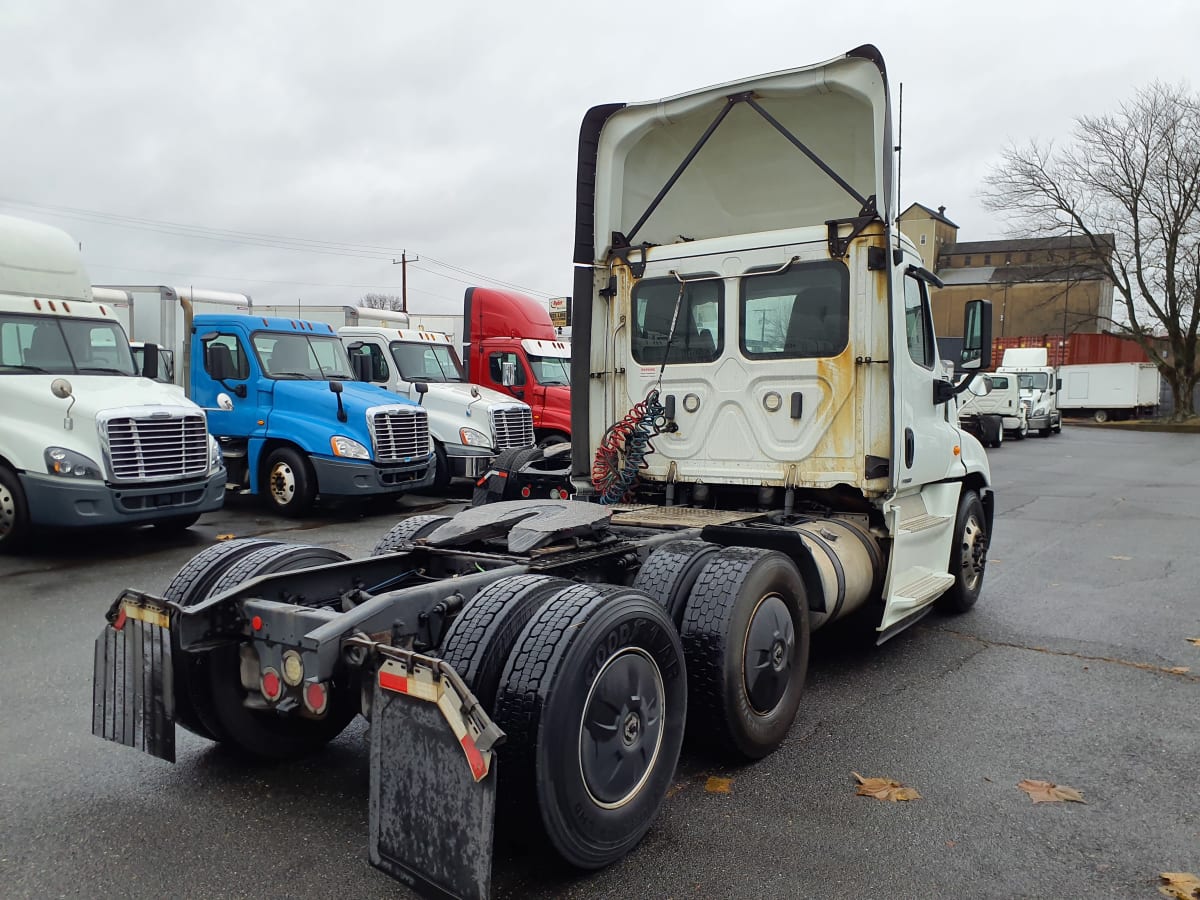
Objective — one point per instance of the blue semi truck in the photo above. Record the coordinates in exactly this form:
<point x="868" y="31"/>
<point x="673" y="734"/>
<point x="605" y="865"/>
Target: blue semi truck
<point x="282" y="401"/>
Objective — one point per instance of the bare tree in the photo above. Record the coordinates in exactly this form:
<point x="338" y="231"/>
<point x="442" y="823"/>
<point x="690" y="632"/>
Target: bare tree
<point x="1133" y="174"/>
<point x="383" y="301"/>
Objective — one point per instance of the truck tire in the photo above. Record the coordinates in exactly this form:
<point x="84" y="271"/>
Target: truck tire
<point x="441" y="470"/>
<point x="593" y="700"/>
<point x="191" y="584"/>
<point x="262" y="733"/>
<point x="1023" y="430"/>
<point x="968" y="555"/>
<point x="745" y="635"/>
<point x="481" y="638"/>
<point x="552" y="438"/>
<point x="404" y="532"/>
<point x="1100" y="415"/>
<point x="671" y="570"/>
<point x="289" y="484"/>
<point x="14" y="512"/>
<point x="501" y="486"/>
<point x="276" y="558"/>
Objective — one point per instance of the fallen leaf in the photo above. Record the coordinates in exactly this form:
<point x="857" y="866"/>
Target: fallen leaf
<point x="1120" y="557"/>
<point x="1180" y="885"/>
<point x="884" y="789"/>
<point x="226" y="537"/>
<point x="1047" y="792"/>
<point x="716" y="785"/>
<point x="1195" y="641"/>
<point x="1179" y="670"/>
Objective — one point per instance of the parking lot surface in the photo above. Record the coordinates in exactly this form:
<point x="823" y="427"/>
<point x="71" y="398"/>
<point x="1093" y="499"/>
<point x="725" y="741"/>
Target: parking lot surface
<point x="1074" y="668"/>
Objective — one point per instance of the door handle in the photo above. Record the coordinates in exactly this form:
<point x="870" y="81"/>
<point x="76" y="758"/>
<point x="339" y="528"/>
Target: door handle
<point x="910" y="447"/>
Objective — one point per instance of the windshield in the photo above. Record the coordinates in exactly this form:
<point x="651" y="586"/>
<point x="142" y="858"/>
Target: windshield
<point x="1037" y="381"/>
<point x="61" y="346"/>
<point x="426" y="362"/>
<point x="550" y="370"/>
<point x="304" y="356"/>
<point x="999" y="383"/>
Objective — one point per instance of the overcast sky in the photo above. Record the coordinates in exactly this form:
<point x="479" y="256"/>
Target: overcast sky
<point x="449" y="129"/>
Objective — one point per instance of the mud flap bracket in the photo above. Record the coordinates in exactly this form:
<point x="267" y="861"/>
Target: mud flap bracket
<point x="432" y="777"/>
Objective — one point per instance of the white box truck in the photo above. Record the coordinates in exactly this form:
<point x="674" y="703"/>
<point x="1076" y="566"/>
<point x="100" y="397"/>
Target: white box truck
<point x="1109" y="390"/>
<point x="84" y="440"/>
<point x="336" y="315"/>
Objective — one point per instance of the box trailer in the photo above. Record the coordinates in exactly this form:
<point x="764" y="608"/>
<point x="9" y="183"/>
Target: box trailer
<point x="1110" y="390"/>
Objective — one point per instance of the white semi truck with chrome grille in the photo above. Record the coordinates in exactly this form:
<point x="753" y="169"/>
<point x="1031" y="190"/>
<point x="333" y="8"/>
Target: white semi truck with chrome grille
<point x="84" y="439"/>
<point x="761" y="446"/>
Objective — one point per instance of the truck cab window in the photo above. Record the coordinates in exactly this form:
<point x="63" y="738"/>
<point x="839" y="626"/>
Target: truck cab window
<point x="228" y="346"/>
<point x="550" y="370"/>
<point x="380" y="371"/>
<point x="699" y="334"/>
<point x="496" y="368"/>
<point x="801" y="313"/>
<point x="918" y="326"/>
<point x="427" y="362"/>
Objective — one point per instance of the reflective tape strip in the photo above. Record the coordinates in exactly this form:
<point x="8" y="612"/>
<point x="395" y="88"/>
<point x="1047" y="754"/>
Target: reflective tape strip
<point x="141" y="614"/>
<point x="416" y="687"/>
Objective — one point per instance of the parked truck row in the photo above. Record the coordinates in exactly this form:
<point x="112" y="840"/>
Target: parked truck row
<point x="760" y="446"/>
<point x="1027" y="394"/>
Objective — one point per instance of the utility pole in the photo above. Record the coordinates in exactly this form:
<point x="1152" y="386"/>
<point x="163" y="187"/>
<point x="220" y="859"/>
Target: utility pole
<point x="403" y="262"/>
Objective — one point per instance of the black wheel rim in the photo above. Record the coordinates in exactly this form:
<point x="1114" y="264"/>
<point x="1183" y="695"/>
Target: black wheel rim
<point x="622" y="728"/>
<point x="767" y="660"/>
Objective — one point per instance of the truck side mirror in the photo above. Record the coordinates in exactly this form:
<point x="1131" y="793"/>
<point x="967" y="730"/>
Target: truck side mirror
<point x="150" y="361"/>
<point x="976" y="354"/>
<point x="422" y="389"/>
<point x="360" y="365"/>
<point x="508" y="373"/>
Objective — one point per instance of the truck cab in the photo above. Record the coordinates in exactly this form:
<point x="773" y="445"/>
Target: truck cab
<point x="778" y="354"/>
<point x="470" y="424"/>
<point x="85" y="440"/>
<point x="1002" y="403"/>
<point x="1039" y="385"/>
<point x="510" y="346"/>
<point x="292" y="420"/>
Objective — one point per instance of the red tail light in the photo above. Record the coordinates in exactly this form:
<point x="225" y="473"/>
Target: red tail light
<point x="271" y="684"/>
<point x="316" y="697"/>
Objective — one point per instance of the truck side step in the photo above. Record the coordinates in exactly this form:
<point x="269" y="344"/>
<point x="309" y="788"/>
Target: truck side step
<point x="922" y="523"/>
<point x="923" y="588"/>
<point x="133" y="694"/>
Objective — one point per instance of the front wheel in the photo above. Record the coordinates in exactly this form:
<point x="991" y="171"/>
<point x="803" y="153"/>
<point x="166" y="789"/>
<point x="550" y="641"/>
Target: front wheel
<point x="968" y="555"/>
<point x="1023" y="430"/>
<point x="14" y="512"/>
<point x="290" y="484"/>
<point x="554" y="437"/>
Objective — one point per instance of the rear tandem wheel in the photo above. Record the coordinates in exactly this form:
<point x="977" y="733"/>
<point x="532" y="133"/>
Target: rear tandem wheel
<point x="593" y="700"/>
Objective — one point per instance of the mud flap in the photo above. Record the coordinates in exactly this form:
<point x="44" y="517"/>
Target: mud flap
<point x="433" y="783"/>
<point x="133" y="695"/>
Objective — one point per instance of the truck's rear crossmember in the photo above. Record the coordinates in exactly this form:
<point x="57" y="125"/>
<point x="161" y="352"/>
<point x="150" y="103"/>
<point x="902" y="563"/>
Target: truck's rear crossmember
<point x="432" y="763"/>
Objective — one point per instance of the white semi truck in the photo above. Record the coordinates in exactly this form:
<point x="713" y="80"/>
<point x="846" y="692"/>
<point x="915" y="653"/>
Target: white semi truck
<point x="84" y="439"/>
<point x="1040" y="387"/>
<point x="761" y="446"/>
<point x="470" y="424"/>
<point x="997" y="414"/>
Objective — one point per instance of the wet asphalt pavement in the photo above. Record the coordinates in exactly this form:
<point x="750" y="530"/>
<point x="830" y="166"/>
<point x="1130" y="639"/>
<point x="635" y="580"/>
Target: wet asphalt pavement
<point x="1061" y="673"/>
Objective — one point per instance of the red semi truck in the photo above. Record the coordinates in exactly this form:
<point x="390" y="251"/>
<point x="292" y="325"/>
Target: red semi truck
<point x="510" y="345"/>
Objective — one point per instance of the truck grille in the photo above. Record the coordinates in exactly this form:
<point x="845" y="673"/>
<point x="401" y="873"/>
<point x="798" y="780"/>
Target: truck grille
<point x="156" y="448"/>
<point x="400" y="435"/>
<point x="513" y="427"/>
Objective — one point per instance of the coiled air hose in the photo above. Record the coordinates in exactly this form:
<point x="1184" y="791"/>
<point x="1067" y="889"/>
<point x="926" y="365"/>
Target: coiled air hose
<point x="623" y="449"/>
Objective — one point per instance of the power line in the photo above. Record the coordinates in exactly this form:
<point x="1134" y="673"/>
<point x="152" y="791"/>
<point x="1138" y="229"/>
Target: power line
<point x="255" y="239"/>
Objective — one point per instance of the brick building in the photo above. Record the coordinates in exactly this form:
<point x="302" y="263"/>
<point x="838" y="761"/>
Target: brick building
<point x="1038" y="286"/>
